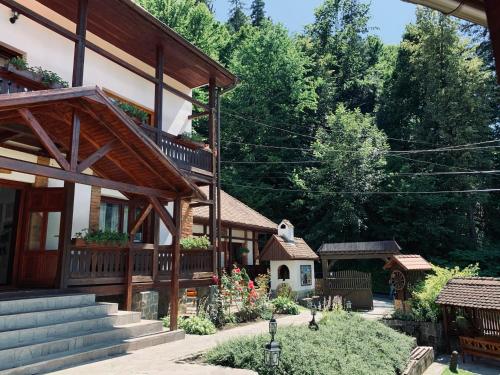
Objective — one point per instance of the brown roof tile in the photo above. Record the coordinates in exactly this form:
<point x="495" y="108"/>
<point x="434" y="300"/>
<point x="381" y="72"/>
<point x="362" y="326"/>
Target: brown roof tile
<point x="409" y="262"/>
<point x="236" y="212"/>
<point x="279" y="249"/>
<point x="476" y="292"/>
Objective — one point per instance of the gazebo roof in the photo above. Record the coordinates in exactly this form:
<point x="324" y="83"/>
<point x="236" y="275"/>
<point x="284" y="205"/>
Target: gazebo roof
<point x="409" y="262"/>
<point x="277" y="248"/>
<point x="475" y="292"/>
<point x="353" y="250"/>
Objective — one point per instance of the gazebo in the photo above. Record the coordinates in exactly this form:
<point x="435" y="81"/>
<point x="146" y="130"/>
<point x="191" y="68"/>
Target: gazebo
<point x="352" y="285"/>
<point x="471" y="312"/>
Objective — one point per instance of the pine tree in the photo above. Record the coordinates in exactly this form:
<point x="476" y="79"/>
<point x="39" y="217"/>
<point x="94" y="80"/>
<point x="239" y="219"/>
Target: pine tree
<point x="258" y="13"/>
<point x="237" y="17"/>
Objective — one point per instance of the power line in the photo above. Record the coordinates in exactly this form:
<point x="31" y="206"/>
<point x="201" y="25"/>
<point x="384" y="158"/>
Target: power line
<point x="489" y="190"/>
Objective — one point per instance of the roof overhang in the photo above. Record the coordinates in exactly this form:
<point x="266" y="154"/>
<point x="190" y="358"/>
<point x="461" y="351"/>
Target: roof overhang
<point x="129" y="157"/>
<point x="129" y="27"/>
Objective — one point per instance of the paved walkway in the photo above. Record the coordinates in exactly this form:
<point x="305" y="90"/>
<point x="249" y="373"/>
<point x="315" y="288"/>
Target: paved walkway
<point x="479" y="366"/>
<point x="163" y="359"/>
<point x="381" y="307"/>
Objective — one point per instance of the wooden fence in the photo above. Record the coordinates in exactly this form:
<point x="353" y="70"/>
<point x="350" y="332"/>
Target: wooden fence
<point x="351" y="285"/>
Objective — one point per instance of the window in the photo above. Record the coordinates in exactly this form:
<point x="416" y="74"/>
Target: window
<point x="305" y="275"/>
<point x="6" y="54"/>
<point x="114" y="216"/>
<point x="43" y="231"/>
<point x="283" y="273"/>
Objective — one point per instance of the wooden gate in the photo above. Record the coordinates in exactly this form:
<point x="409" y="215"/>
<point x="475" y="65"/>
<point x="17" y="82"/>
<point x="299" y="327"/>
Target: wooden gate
<point x="354" y="286"/>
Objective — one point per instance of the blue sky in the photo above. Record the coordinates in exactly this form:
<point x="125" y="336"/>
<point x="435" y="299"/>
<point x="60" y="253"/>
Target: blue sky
<point x="389" y="17"/>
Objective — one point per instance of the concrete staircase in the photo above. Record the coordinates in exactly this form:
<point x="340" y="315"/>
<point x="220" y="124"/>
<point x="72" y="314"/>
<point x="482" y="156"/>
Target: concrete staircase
<point x="43" y="334"/>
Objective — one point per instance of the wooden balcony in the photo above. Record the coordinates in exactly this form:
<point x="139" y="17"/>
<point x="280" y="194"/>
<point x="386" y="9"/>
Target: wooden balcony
<point x="187" y="156"/>
<point x="102" y="265"/>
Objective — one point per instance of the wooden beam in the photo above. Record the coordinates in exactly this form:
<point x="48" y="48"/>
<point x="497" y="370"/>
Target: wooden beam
<point x="60" y="174"/>
<point x="158" y="114"/>
<point x="66" y="230"/>
<point x="74" y="143"/>
<point x="493" y="15"/>
<point x="44" y="138"/>
<point x="198" y="115"/>
<point x="140" y="219"/>
<point x="79" y="53"/>
<point x="176" y="265"/>
<point x="96" y="156"/>
<point x="212" y="188"/>
<point x="164" y="215"/>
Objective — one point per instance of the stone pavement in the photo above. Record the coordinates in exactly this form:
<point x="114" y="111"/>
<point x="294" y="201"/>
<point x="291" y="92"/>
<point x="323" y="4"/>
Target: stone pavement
<point x="480" y="366"/>
<point x="164" y="359"/>
<point x="382" y="306"/>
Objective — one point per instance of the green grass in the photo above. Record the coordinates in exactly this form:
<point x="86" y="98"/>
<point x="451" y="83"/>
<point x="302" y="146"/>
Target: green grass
<point x="460" y="372"/>
<point x="344" y="345"/>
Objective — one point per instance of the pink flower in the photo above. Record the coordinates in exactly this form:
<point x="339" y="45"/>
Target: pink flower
<point x="251" y="285"/>
<point x="215" y="280"/>
<point x="237" y="270"/>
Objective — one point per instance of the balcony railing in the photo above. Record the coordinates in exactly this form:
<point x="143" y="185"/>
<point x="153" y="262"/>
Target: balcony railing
<point x="105" y="265"/>
<point x="186" y="155"/>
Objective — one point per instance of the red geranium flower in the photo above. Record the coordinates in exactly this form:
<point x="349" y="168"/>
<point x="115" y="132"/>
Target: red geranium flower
<point x="215" y="280"/>
<point x="237" y="270"/>
<point x="251" y="285"/>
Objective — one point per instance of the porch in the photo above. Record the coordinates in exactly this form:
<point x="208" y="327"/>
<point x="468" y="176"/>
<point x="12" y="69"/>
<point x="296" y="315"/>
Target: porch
<point x="188" y="156"/>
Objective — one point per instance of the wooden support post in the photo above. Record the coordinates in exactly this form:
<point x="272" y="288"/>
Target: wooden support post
<point x="255" y="246"/>
<point x="66" y="231"/>
<point x="217" y="174"/>
<point x="212" y="188"/>
<point x="324" y="264"/>
<point x="140" y="219"/>
<point x="158" y="115"/>
<point x="156" y="244"/>
<point x="128" y="276"/>
<point x="176" y="265"/>
<point x="74" y="142"/>
<point x="81" y="33"/>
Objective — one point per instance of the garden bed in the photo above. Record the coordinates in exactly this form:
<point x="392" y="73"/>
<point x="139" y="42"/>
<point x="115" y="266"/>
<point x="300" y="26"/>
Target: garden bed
<point x="345" y="344"/>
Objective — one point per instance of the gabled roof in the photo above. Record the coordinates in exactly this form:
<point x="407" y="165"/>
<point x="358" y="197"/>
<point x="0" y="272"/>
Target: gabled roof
<point x="133" y="158"/>
<point x="476" y="292"/>
<point x="279" y="249"/>
<point x="389" y="247"/>
<point x="235" y="213"/>
<point x="409" y="262"/>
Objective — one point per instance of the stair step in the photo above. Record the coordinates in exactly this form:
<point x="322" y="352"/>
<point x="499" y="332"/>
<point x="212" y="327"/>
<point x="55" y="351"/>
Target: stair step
<point x="30" y="336"/>
<point x="101" y="351"/>
<point x="47" y="317"/>
<point x="24" y="355"/>
<point x="44" y="303"/>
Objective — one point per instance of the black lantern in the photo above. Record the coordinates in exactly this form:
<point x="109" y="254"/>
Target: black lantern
<point x="312" y="324"/>
<point x="272" y="351"/>
<point x="348" y="305"/>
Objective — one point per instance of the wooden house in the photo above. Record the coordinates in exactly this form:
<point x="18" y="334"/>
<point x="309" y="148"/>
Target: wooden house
<point x="103" y="154"/>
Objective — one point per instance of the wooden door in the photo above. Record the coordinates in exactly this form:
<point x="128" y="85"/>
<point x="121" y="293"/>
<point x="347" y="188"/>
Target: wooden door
<point x="41" y="244"/>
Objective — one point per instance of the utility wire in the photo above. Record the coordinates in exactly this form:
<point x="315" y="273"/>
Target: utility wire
<point x="489" y="190"/>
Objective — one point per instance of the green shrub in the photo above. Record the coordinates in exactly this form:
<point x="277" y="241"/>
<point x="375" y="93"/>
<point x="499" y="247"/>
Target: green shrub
<point x="189" y="243"/>
<point x="19" y="63"/>
<point x="424" y="294"/>
<point x="194" y="136"/>
<point x="133" y="111"/>
<point x="283" y="305"/>
<point x="197" y="325"/>
<point x="284" y="290"/>
<point x="344" y="345"/>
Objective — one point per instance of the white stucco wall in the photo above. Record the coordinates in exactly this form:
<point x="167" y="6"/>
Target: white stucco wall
<point x="51" y="51"/>
<point x="294" y="281"/>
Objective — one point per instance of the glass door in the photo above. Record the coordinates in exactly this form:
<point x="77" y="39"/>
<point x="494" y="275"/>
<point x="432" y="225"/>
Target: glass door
<point x="8" y="224"/>
<point x="42" y="242"/>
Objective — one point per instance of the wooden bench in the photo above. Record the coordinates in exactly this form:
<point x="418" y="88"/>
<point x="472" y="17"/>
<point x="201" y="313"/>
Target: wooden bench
<point x="484" y="346"/>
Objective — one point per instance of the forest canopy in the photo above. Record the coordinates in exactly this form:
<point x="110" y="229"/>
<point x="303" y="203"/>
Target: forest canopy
<point x="352" y="139"/>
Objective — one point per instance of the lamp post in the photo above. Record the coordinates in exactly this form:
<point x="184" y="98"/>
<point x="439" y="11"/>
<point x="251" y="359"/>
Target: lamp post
<point x="348" y="305"/>
<point x="272" y="351"/>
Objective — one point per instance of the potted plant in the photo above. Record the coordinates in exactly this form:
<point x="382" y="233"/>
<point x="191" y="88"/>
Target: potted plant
<point x="101" y="238"/>
<point x="20" y="67"/>
<point x="195" y="243"/>
<point x="135" y="113"/>
<point x="193" y="138"/>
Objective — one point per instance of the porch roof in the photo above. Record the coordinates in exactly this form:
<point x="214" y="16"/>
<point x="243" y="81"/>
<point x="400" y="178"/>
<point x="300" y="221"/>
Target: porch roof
<point x="475" y="292"/>
<point x="132" y="29"/>
<point x="129" y="157"/>
<point x="277" y="248"/>
<point x="409" y="262"/>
